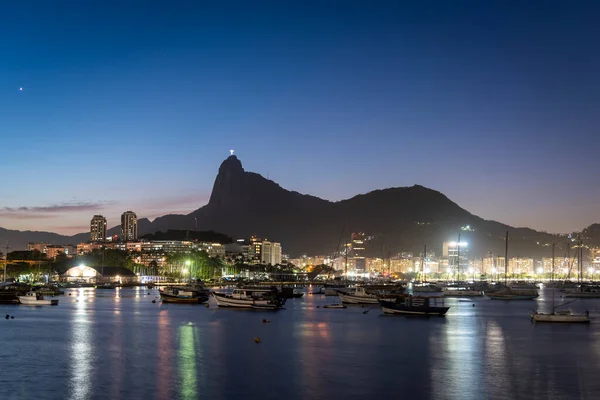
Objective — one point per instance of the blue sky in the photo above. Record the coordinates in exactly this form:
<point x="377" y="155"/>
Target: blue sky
<point x="133" y="105"/>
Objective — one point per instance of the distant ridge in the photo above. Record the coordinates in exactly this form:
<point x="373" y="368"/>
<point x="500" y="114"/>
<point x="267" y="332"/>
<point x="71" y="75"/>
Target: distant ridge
<point x="244" y="203"/>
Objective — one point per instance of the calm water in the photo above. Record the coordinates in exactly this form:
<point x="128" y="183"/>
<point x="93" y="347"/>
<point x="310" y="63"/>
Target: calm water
<point x="119" y="345"/>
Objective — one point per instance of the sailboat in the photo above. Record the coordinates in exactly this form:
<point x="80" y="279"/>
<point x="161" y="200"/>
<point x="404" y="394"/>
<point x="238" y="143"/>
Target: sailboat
<point x="559" y="316"/>
<point x="508" y="293"/>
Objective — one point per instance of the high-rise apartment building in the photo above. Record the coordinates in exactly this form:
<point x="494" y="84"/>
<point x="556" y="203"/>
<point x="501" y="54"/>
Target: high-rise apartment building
<point x="129" y="230"/>
<point x="98" y="229"/>
<point x="270" y="253"/>
<point x="358" y="251"/>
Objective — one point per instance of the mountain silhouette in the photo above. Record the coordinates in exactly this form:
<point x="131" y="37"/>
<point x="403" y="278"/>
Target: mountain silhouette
<point x="245" y="203"/>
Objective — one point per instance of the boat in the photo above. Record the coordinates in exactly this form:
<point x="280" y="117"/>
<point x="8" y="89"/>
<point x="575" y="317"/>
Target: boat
<point x="461" y="292"/>
<point x="426" y="288"/>
<point x="415" y="305"/>
<point x="510" y="293"/>
<point x="583" y="292"/>
<point x="183" y="295"/>
<point x="360" y="296"/>
<point x="106" y="286"/>
<point x="561" y="316"/>
<point x="263" y="298"/>
<point x="36" y="299"/>
<point x="318" y="291"/>
<point x="335" y="306"/>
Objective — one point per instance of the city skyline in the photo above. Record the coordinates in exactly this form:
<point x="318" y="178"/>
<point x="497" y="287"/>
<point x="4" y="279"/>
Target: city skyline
<point x="492" y="106"/>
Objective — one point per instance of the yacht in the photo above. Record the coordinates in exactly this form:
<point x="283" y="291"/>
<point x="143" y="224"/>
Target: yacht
<point x="360" y="296"/>
<point x="415" y="305"/>
<point x="258" y="298"/>
<point x="184" y="295"/>
<point x="36" y="299"/>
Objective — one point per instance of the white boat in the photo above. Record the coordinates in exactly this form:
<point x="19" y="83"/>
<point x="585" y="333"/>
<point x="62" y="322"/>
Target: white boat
<point x="584" y="291"/>
<point x="250" y="298"/>
<point x="460" y="292"/>
<point x="561" y="316"/>
<point x="36" y="299"/>
<point x="334" y="306"/>
<point x="360" y="296"/>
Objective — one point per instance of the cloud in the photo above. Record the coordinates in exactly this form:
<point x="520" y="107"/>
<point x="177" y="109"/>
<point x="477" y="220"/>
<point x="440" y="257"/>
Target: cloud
<point x="42" y="211"/>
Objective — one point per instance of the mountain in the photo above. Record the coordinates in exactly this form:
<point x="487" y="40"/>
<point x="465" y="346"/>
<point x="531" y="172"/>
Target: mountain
<point x="398" y="219"/>
<point x="244" y="203"/>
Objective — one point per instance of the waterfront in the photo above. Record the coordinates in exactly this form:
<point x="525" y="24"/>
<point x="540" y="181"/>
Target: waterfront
<point x="118" y="344"/>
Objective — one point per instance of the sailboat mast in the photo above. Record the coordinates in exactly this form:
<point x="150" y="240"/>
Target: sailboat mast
<point x="458" y="258"/>
<point x="553" y="247"/>
<point x="423" y="261"/>
<point x="506" y="260"/>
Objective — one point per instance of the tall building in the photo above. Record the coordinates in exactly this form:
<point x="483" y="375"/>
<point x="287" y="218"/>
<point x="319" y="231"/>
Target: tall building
<point x="456" y="254"/>
<point x="98" y="228"/>
<point x="129" y="230"/>
<point x="358" y="251"/>
<point x="270" y="253"/>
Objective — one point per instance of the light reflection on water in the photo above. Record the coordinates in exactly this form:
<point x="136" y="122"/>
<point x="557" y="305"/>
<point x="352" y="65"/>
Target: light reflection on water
<point x="187" y="362"/>
<point x="128" y="348"/>
<point x="81" y="349"/>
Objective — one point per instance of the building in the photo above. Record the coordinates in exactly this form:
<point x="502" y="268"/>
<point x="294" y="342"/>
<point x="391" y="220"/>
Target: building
<point x="41" y="247"/>
<point x="54" y="250"/>
<point x="521" y="265"/>
<point x="129" y="231"/>
<point x="212" y="249"/>
<point x="358" y="252"/>
<point x="88" y="274"/>
<point x="270" y="253"/>
<point x="595" y="258"/>
<point x="98" y="229"/>
<point x="457" y="255"/>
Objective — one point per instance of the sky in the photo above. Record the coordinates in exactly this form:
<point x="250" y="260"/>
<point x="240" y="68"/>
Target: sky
<point x="108" y="106"/>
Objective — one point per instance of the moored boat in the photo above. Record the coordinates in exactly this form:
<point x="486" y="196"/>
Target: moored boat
<point x="512" y="294"/>
<point x="183" y="295"/>
<point x="360" y="296"/>
<point x="415" y="305"/>
<point x="561" y="316"/>
<point x="36" y="299"/>
<point x="335" y="306"/>
<point x="262" y="298"/>
<point x="461" y="292"/>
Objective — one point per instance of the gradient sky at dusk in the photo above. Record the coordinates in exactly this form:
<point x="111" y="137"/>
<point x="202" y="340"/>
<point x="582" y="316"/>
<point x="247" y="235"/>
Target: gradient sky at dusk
<point x="133" y="105"/>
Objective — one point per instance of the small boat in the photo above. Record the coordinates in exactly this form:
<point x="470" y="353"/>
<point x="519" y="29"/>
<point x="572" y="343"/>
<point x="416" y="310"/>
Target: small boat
<point x="267" y="298"/>
<point x="584" y="292"/>
<point x="106" y="286"/>
<point x="461" y="292"/>
<point x="183" y="295"/>
<point x="561" y="316"/>
<point x="335" y="306"/>
<point x="512" y="294"/>
<point x="415" y="305"/>
<point x="318" y="291"/>
<point x="36" y="299"/>
<point x="264" y="307"/>
<point x="426" y="288"/>
<point x="360" y="296"/>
